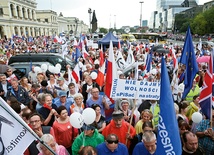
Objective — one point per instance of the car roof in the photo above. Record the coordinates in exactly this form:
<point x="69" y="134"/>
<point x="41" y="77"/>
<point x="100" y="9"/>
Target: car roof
<point x="28" y="63"/>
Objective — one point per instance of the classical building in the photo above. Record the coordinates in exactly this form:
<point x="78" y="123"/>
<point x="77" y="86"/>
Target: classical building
<point x="21" y="17"/>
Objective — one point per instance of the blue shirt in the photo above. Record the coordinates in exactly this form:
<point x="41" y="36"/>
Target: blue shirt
<point x="140" y="149"/>
<point x="102" y="149"/>
<point x="90" y="102"/>
<point x="69" y="102"/>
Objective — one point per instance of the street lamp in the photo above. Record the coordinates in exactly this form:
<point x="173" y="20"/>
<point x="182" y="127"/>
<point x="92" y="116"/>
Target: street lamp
<point x="89" y="12"/>
<point x="141" y="13"/>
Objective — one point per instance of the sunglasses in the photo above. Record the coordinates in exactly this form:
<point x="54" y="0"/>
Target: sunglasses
<point x="112" y="141"/>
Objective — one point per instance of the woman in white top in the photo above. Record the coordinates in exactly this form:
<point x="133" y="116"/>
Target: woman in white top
<point x="78" y="105"/>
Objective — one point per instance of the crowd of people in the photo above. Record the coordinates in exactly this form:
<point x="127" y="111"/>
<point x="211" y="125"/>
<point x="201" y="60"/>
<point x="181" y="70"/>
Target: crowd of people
<point x="46" y="100"/>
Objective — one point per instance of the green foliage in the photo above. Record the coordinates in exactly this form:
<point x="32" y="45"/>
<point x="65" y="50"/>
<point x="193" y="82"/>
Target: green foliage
<point x="201" y="24"/>
<point x="209" y="17"/>
<point x="103" y="30"/>
<point x="198" y="25"/>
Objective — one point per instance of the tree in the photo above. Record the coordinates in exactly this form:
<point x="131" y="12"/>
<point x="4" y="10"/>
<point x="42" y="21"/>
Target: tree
<point x="199" y="25"/>
<point x="103" y="30"/>
<point x="209" y="18"/>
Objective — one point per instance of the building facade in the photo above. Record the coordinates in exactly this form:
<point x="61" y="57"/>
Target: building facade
<point x="162" y="19"/>
<point x="20" y="17"/>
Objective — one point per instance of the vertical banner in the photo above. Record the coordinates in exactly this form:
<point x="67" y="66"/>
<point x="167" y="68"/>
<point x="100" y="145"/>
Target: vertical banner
<point x="14" y="137"/>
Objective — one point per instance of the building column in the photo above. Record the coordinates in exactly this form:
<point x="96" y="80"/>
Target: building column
<point x="21" y="14"/>
<point x="19" y="31"/>
<point x="30" y="14"/>
<point x="34" y="12"/>
<point x="15" y="11"/>
<point x="7" y="31"/>
<point x="12" y="30"/>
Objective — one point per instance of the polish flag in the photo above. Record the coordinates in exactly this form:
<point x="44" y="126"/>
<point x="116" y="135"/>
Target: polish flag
<point x="111" y="71"/>
<point x="76" y="73"/>
<point x="175" y="62"/>
<point x="86" y="56"/>
<point x="56" y="39"/>
<point x="85" y="53"/>
<point x="119" y="46"/>
<point x="101" y="71"/>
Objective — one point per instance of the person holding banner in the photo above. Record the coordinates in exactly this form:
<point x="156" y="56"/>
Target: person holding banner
<point x="127" y="112"/>
<point x="120" y="127"/>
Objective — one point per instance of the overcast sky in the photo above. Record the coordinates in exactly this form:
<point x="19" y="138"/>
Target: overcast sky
<point x="108" y="12"/>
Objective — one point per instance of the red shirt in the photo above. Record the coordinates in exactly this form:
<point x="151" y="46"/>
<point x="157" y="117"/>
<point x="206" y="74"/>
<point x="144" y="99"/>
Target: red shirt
<point x="64" y="133"/>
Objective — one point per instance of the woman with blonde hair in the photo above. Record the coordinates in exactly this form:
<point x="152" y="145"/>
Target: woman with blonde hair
<point x="146" y="115"/>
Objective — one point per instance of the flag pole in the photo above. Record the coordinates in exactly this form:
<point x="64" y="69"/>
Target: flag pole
<point x="26" y="127"/>
<point x="132" y="115"/>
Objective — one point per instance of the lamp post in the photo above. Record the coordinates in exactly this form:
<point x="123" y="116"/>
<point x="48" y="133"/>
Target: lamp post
<point x="141" y="13"/>
<point x="89" y="12"/>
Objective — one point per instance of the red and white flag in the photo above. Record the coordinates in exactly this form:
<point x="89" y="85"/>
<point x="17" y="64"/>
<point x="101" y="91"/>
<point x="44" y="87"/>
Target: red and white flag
<point x="85" y="53"/>
<point x="76" y="73"/>
<point x="175" y="62"/>
<point x="101" y="71"/>
<point x="111" y="71"/>
<point x="15" y="134"/>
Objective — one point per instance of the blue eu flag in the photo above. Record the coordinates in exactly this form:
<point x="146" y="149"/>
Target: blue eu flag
<point x="78" y="54"/>
<point x="168" y="138"/>
<point x="189" y="60"/>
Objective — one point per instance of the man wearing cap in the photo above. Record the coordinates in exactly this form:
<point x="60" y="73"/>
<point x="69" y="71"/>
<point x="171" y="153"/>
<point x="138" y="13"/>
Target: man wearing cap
<point x="120" y="127"/>
<point x="63" y="100"/>
<point x="90" y="136"/>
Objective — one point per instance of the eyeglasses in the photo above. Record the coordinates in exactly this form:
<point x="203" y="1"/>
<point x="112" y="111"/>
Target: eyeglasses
<point x="9" y="71"/>
<point x="112" y="141"/>
<point x="36" y="121"/>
